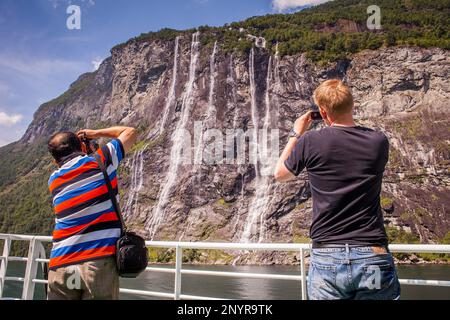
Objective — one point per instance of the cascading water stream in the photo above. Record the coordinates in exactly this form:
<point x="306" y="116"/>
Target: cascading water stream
<point x="266" y="184"/>
<point x="231" y="80"/>
<point x="254" y="110"/>
<point x="130" y="197"/>
<point x="277" y="86"/>
<point x="267" y="95"/>
<point x="232" y="104"/>
<point x="177" y="141"/>
<point x="210" y="119"/>
<point x="171" y="97"/>
<point x="137" y="180"/>
<point x="138" y="158"/>
<point x="261" y="199"/>
<point x="270" y="119"/>
<point x="211" y="111"/>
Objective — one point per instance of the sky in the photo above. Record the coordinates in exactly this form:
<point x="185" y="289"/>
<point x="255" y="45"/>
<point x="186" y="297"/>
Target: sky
<point x="40" y="56"/>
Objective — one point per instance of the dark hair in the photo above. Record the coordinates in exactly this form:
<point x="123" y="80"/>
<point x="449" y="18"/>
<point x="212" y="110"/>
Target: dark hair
<point x="62" y="144"/>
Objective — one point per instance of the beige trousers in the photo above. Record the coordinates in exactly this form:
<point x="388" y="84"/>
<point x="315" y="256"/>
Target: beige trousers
<point x="96" y="279"/>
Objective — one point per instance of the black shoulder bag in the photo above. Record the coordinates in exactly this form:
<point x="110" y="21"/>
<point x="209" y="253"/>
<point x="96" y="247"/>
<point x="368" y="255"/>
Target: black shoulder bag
<point x="131" y="252"/>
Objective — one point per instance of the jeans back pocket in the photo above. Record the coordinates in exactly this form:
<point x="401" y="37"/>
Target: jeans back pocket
<point x="379" y="281"/>
<point x="322" y="281"/>
<point x="321" y="274"/>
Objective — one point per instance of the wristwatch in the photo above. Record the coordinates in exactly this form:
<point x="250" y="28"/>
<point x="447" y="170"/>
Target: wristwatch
<point x="293" y="134"/>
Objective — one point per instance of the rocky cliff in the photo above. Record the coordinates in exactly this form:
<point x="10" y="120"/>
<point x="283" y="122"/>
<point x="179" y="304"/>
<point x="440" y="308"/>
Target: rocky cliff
<point x="167" y="87"/>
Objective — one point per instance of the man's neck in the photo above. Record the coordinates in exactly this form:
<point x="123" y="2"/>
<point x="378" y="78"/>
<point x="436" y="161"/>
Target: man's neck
<point x="344" y="123"/>
<point x="71" y="156"/>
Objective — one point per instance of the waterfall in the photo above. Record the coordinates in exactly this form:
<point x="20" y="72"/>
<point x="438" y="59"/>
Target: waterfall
<point x="132" y="186"/>
<point x="277" y="84"/>
<point x="177" y="141"/>
<point x="231" y="80"/>
<point x="171" y="97"/>
<point x="263" y="182"/>
<point x="266" y="185"/>
<point x="254" y="109"/>
<point x="232" y="103"/>
<point x="137" y="180"/>
<point x="210" y="119"/>
<point x="271" y="117"/>
<point x="267" y="96"/>
<point x="211" y="111"/>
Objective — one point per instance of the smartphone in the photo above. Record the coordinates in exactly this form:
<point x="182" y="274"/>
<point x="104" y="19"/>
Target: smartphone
<point x="315" y="115"/>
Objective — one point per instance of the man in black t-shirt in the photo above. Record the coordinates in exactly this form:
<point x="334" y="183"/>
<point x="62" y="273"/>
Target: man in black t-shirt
<point x="345" y="165"/>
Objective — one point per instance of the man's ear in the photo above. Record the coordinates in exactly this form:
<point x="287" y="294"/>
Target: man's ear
<point x="323" y="112"/>
<point x="324" y="115"/>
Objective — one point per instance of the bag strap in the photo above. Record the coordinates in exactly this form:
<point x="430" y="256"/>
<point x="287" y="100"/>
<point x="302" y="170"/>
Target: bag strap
<point x="111" y="192"/>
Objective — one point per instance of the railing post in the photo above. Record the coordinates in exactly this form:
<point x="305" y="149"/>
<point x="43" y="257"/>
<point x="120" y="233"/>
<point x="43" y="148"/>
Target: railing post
<point x="302" y="269"/>
<point x="42" y="255"/>
<point x="4" y="263"/>
<point x="178" y="264"/>
<point x="34" y="252"/>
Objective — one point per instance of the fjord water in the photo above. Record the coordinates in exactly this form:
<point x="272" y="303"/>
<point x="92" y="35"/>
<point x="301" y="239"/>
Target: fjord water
<point x="242" y="288"/>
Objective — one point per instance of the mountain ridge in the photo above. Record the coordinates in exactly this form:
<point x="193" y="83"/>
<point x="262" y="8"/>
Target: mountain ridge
<point x="400" y="90"/>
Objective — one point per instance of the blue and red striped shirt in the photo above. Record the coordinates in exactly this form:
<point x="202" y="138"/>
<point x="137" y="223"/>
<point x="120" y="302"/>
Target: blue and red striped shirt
<point x="86" y="226"/>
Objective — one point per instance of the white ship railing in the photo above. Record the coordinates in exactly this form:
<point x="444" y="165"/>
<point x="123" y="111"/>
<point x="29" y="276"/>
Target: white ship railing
<point x="36" y="255"/>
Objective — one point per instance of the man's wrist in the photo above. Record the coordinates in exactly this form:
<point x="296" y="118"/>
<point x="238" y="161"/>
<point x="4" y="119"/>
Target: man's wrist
<point x="294" y="134"/>
<point x="97" y="134"/>
<point x="107" y="133"/>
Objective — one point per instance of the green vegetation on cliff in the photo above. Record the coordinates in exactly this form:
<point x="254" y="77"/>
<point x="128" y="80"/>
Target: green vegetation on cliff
<point x="333" y="30"/>
<point x="399" y="236"/>
<point x="24" y="196"/>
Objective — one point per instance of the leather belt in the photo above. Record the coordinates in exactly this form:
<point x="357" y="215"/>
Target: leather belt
<point x="376" y="249"/>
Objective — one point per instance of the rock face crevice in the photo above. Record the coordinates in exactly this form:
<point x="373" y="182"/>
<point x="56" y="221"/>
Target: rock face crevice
<point x="402" y="91"/>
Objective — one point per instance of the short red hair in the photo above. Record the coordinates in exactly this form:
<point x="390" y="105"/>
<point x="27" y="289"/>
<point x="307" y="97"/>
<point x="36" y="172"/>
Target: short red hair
<point x="334" y="96"/>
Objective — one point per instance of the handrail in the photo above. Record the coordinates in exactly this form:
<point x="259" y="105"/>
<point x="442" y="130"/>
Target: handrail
<point x="36" y="255"/>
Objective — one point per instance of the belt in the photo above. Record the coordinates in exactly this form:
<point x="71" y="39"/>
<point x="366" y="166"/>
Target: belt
<point x="376" y="249"/>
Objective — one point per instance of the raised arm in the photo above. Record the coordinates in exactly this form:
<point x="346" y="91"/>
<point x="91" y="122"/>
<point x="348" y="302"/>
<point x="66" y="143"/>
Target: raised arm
<point x="302" y="124"/>
<point x="126" y="135"/>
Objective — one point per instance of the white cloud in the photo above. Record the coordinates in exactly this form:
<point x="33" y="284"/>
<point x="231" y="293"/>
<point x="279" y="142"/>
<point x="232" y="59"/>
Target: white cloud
<point x="283" y="5"/>
<point x="39" y="77"/>
<point x="96" y="63"/>
<point x="9" y="120"/>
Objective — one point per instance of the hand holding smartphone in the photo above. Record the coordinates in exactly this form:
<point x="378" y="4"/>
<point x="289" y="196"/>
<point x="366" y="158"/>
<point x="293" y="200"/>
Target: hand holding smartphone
<point x="316" y="116"/>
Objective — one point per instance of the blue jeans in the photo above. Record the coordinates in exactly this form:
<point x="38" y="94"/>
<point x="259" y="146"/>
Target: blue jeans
<point x="352" y="273"/>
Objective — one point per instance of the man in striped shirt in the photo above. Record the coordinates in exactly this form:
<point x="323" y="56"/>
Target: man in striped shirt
<point x="82" y="264"/>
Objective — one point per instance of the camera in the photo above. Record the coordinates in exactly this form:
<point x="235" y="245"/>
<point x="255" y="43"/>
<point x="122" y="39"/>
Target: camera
<point x="90" y="146"/>
<point x="315" y="114"/>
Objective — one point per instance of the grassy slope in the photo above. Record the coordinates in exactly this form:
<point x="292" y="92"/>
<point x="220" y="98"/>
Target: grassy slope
<point x="25" y="203"/>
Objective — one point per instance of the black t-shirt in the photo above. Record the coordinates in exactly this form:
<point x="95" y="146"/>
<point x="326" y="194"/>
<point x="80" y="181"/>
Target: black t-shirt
<point x="345" y="167"/>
